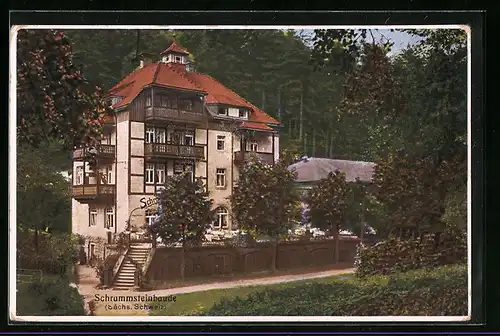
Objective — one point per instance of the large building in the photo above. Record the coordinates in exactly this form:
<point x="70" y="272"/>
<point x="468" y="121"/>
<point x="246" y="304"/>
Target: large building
<point x="168" y="120"/>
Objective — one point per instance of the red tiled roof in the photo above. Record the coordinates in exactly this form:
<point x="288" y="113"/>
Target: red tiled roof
<point x="175" y="76"/>
<point x="219" y="94"/>
<point x="174" y="47"/>
<point x="153" y="74"/>
<point x="255" y="126"/>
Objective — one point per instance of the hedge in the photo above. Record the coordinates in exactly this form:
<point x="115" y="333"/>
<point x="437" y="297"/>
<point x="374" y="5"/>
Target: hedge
<point x="56" y="253"/>
<point x="49" y="296"/>
<point x="440" y="292"/>
<point x="398" y="255"/>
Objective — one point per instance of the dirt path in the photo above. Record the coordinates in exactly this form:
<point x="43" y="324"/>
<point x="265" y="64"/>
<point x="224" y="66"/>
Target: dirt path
<point x="88" y="281"/>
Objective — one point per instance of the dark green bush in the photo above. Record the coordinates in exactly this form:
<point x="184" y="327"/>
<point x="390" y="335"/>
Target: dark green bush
<point x="398" y="255"/>
<point x="440" y="292"/>
<point x="49" y="296"/>
<point x="54" y="253"/>
<point x="108" y="264"/>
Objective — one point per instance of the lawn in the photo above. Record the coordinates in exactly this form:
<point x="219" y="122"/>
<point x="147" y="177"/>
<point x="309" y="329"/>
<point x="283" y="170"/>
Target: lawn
<point x="199" y="302"/>
<point x="426" y="292"/>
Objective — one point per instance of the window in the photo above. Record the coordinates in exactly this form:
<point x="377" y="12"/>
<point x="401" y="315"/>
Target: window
<point x="150" y="171"/>
<point x="252" y="146"/>
<point x="106" y="139"/>
<point x="189" y="172"/>
<point x="173" y="137"/>
<point x="159" y="135"/>
<point x="116" y="100"/>
<point x="221" y="218"/>
<point x="221" y="177"/>
<point x="222" y="111"/>
<point x="160" y="173"/>
<point x="220" y="142"/>
<point x="109" y="173"/>
<point x="91" y="251"/>
<point x="178" y="169"/>
<point x="165" y="101"/>
<point x="148" y="101"/>
<point x="186" y="105"/>
<point x="79" y="175"/>
<point x="150" y="135"/>
<point x="150" y="216"/>
<point x="188" y="139"/>
<point x="243" y="113"/>
<point x="93" y="217"/>
<point x="177" y="59"/>
<point x="110" y="218"/>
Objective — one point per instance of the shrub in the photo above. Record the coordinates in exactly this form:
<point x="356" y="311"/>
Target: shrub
<point x="440" y="292"/>
<point x="106" y="264"/>
<point x="398" y="255"/>
<point x="49" y="296"/>
<point x="54" y="255"/>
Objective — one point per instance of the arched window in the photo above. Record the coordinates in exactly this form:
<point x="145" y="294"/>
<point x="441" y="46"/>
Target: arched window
<point x="221" y="218"/>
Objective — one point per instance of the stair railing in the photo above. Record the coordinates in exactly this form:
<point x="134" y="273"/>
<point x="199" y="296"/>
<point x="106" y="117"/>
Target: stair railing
<point x="118" y="265"/>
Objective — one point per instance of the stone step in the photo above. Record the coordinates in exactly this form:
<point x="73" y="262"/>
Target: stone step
<point x="126" y="281"/>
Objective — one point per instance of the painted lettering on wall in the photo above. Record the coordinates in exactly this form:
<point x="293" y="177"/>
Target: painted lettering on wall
<point x="147" y="202"/>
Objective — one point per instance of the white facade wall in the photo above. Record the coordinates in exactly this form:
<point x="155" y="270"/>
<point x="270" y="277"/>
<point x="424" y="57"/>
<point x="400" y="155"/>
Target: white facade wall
<point x="122" y="172"/>
<point x="132" y="134"/>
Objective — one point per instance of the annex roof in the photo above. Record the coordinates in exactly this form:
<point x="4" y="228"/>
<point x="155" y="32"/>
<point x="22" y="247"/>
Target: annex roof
<point x="314" y="169"/>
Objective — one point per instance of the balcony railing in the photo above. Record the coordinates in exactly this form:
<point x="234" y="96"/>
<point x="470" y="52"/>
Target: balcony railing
<point x="103" y="152"/>
<point x="163" y="114"/>
<point x="175" y="150"/>
<point x="245" y="156"/>
<point x="93" y="191"/>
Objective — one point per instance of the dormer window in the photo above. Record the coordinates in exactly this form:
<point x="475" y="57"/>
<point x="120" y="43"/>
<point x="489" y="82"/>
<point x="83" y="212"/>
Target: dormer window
<point x="243" y="113"/>
<point x="222" y="111"/>
<point x="116" y="100"/>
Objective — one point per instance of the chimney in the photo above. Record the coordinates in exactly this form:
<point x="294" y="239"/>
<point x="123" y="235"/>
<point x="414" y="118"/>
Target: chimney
<point x="145" y="59"/>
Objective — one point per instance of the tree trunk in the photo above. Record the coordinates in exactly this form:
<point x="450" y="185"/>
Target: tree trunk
<point x="183" y="262"/>
<point x="330" y="155"/>
<point x="300" y="114"/>
<point x="362" y="233"/>
<point x="305" y="144"/>
<point x="36" y="237"/>
<point x="337" y="247"/>
<point x="275" y="254"/>
<point x="314" y="143"/>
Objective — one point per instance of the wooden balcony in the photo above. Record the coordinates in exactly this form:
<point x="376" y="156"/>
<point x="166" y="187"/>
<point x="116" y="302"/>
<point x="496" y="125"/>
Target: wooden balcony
<point x="88" y="193"/>
<point x="104" y="152"/>
<point x="246" y="156"/>
<point x="162" y="114"/>
<point x="171" y="150"/>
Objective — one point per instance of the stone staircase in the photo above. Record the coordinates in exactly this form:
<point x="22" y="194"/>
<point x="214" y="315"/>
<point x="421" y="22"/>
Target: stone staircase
<point x="125" y="277"/>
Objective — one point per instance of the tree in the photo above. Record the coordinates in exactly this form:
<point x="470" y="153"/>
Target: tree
<point x="185" y="213"/>
<point x="327" y="202"/>
<point x="43" y="195"/>
<point x="264" y="201"/>
<point x="54" y="101"/>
